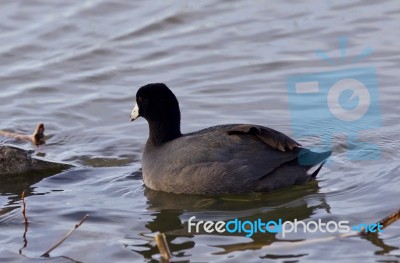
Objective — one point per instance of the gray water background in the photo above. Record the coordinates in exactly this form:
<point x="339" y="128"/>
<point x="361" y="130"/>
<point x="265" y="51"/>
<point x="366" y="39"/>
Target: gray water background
<point x="76" y="66"/>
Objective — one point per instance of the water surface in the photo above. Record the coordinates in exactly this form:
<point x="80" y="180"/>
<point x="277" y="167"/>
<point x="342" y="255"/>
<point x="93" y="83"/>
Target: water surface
<point x="76" y="66"/>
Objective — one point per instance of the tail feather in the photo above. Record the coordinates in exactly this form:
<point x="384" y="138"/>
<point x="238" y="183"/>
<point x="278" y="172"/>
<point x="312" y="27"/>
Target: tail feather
<point x="309" y="158"/>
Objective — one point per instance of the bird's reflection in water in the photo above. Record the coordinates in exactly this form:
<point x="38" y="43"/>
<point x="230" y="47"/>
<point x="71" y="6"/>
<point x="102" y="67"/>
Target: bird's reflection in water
<point x="172" y="211"/>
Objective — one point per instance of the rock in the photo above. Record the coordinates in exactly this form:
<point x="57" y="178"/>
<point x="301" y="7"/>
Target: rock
<point x="15" y="161"/>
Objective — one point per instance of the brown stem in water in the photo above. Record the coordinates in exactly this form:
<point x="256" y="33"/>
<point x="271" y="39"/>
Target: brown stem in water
<point x="47" y="253"/>
<point x="26" y="223"/>
<point x="385" y="222"/>
<point x="37" y="137"/>
<point x="24" y="208"/>
<point x="162" y="245"/>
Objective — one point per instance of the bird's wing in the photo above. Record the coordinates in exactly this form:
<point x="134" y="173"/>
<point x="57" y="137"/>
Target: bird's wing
<point x="273" y="138"/>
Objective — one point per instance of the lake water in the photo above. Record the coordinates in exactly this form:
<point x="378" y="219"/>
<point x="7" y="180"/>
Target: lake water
<point x="76" y="66"/>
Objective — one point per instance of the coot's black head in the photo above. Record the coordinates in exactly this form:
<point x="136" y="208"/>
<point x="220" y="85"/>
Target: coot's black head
<point x="158" y="105"/>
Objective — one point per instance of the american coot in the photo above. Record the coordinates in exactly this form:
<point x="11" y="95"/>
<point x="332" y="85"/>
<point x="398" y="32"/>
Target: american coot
<point x="234" y="158"/>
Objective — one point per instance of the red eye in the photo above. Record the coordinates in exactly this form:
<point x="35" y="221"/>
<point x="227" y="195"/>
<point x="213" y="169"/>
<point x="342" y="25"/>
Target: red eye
<point x="139" y="99"/>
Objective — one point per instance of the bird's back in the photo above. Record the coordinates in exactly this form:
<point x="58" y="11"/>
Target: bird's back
<point x="223" y="159"/>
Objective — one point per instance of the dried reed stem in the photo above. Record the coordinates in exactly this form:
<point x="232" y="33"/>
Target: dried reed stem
<point x="47" y="253"/>
<point x="37" y="137"/>
<point x="26" y="223"/>
<point x="162" y="245"/>
<point x="385" y="222"/>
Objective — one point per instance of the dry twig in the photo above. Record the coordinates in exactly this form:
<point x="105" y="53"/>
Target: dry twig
<point x="47" y="253"/>
<point x="24" y="208"/>
<point x="385" y="222"/>
<point x="26" y="223"/>
<point x="37" y="137"/>
<point x="163" y="246"/>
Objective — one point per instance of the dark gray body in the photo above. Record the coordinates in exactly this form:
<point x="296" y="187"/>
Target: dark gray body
<point x="233" y="158"/>
<point x="18" y="161"/>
